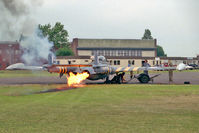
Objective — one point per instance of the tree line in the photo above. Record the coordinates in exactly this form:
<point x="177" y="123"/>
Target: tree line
<point x="59" y="36"/>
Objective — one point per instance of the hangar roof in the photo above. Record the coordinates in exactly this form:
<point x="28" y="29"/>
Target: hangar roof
<point x="116" y="43"/>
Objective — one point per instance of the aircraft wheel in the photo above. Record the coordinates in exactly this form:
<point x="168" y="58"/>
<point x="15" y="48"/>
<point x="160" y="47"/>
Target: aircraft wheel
<point x="144" y="78"/>
<point x="119" y="79"/>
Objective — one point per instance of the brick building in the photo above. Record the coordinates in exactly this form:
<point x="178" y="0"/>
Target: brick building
<point x="10" y="53"/>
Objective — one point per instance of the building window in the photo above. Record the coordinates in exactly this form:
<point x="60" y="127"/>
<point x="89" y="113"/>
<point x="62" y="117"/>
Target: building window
<point x="139" y="53"/>
<point x="153" y="62"/>
<point x="69" y="62"/>
<point x="107" y="53"/>
<point x="74" y="60"/>
<point x="100" y="52"/>
<point x="58" y="62"/>
<point x="135" y="52"/>
<point x="115" y="62"/>
<point x="118" y="62"/>
<point x="86" y="60"/>
<point x="113" y="52"/>
<point x="126" y="53"/>
<point x="110" y="62"/>
<point x="93" y="52"/>
<point x="184" y="62"/>
<point x="129" y="62"/>
<point x="133" y="62"/>
<point x="132" y="53"/>
<point x="157" y="63"/>
<point x="120" y="52"/>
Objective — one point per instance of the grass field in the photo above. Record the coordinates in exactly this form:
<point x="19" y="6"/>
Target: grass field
<point x="100" y="109"/>
<point x="24" y="73"/>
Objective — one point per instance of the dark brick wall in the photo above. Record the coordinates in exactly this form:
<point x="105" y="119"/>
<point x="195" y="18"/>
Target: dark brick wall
<point x="74" y="46"/>
<point x="10" y="53"/>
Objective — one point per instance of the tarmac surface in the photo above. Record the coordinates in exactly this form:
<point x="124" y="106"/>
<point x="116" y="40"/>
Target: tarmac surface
<point x="178" y="78"/>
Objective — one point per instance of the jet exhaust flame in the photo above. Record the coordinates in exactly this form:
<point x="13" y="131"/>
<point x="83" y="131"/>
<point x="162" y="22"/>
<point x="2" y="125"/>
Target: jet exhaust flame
<point x="76" y="79"/>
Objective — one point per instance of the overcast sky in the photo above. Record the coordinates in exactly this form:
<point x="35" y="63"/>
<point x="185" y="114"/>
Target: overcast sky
<point x="175" y="23"/>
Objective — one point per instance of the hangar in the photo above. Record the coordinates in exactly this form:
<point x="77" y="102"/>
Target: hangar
<point x="121" y="52"/>
<point x="115" y="47"/>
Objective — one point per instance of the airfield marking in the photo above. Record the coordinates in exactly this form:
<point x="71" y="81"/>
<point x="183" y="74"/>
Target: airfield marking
<point x="126" y="69"/>
<point x="118" y="69"/>
<point x="135" y="68"/>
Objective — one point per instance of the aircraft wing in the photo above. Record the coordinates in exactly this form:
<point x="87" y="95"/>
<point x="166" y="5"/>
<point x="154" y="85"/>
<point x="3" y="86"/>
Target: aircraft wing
<point x="180" y="67"/>
<point x="128" y="69"/>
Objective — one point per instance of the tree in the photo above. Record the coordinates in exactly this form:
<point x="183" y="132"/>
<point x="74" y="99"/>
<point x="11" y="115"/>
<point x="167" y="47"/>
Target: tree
<point x="57" y="34"/>
<point x="147" y="34"/>
<point x="160" y="51"/>
<point x="64" y="52"/>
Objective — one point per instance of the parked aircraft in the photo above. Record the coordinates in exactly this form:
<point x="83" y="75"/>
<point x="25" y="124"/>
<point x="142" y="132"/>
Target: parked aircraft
<point x="99" y="69"/>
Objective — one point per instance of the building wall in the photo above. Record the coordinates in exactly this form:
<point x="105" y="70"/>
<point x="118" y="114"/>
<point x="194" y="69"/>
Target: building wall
<point x="84" y="52"/>
<point x="148" y="53"/>
<point x="10" y="53"/>
<point x="127" y="61"/>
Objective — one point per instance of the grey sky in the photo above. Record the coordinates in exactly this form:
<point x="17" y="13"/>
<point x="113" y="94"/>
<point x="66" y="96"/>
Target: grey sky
<point x="173" y="22"/>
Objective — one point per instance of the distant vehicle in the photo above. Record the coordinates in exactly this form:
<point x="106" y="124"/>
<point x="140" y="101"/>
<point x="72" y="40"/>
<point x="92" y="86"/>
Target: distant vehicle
<point x="194" y="66"/>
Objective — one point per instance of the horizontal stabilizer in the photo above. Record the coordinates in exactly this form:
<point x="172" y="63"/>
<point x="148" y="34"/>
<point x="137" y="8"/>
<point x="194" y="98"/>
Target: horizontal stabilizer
<point x="21" y="66"/>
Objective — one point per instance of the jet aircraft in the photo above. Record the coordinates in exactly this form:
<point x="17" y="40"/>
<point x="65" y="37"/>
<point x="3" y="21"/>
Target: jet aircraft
<point x="99" y="69"/>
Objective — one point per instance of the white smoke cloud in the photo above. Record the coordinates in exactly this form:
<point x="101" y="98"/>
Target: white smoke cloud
<point x="35" y="48"/>
<point x="17" y="18"/>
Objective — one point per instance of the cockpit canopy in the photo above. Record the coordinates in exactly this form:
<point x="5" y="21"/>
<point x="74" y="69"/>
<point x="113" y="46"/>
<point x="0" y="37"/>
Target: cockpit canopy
<point x="101" y="59"/>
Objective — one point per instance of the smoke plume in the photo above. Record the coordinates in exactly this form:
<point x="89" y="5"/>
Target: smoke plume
<point x="16" y="18"/>
<point x="36" y="48"/>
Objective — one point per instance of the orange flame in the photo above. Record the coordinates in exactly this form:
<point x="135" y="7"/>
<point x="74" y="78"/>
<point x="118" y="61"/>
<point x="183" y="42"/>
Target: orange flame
<point x="76" y="78"/>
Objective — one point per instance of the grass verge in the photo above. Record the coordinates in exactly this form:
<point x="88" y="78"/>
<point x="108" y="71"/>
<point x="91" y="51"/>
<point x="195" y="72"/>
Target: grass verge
<point x="100" y="108"/>
<point x="24" y="73"/>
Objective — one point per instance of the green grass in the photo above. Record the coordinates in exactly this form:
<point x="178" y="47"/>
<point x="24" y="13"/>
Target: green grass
<point x="24" y="73"/>
<point x="100" y="109"/>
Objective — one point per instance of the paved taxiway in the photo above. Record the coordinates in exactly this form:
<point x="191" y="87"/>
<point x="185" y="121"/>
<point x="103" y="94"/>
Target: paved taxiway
<point x="179" y="78"/>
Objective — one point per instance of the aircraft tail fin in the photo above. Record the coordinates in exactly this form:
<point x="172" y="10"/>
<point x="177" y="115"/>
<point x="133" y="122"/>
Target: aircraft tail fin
<point x="96" y="61"/>
<point x="50" y="59"/>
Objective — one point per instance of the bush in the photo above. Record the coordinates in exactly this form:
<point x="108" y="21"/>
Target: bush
<point x="64" y="52"/>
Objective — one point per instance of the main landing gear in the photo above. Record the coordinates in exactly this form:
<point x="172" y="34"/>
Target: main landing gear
<point x="119" y="78"/>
